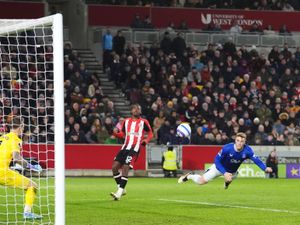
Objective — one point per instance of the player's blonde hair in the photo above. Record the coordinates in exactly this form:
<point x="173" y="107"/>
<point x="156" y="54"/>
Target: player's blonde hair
<point x="241" y="134"/>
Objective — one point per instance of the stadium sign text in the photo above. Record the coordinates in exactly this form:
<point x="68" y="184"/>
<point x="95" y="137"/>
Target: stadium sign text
<point x="229" y="19"/>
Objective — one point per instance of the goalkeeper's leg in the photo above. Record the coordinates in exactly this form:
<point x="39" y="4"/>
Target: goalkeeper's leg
<point x="30" y="197"/>
<point x="31" y="189"/>
<point x="16" y="180"/>
<point x="29" y="200"/>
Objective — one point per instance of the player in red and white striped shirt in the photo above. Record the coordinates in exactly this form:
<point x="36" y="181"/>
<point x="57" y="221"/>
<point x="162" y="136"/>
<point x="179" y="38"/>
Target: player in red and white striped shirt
<point x="132" y="130"/>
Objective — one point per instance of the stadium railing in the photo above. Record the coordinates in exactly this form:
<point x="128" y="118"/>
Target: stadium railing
<point x="198" y="37"/>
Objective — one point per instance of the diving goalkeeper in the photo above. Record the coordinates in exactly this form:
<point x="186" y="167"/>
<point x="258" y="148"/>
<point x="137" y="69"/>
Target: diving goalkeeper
<point x="10" y="151"/>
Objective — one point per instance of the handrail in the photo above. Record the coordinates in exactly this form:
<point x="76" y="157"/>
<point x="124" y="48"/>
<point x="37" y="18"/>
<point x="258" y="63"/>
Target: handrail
<point x="198" y="37"/>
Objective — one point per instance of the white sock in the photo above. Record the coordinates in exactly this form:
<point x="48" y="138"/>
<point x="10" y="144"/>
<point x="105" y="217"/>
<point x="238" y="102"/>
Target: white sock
<point x="27" y="209"/>
<point x="194" y="177"/>
<point x="119" y="192"/>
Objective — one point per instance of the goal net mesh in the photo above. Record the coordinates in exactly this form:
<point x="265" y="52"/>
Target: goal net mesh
<point x="26" y="90"/>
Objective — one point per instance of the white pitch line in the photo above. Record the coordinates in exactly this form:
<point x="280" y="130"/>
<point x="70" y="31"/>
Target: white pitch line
<point x="231" y="206"/>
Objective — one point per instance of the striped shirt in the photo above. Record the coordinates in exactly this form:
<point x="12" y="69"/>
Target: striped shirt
<point x="133" y="131"/>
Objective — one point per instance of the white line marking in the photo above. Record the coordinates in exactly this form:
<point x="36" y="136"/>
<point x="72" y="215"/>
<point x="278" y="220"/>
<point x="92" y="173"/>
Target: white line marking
<point x="231" y="206"/>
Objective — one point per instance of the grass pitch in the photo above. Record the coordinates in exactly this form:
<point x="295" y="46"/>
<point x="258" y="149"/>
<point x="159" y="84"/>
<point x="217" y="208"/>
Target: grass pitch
<point x="160" y="201"/>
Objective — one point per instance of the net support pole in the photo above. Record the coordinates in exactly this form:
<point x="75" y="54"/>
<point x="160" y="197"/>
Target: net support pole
<point x="59" y="119"/>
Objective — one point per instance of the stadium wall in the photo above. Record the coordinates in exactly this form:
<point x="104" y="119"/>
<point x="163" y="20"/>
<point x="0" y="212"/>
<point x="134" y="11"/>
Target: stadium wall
<point x="100" y="157"/>
<point x="21" y="10"/>
<point x="104" y="15"/>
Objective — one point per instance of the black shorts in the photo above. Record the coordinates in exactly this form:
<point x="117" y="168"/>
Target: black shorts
<point x="126" y="156"/>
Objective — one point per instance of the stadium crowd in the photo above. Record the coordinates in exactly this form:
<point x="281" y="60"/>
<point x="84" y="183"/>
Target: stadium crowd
<point x="285" y="5"/>
<point x="27" y="86"/>
<point x="219" y="90"/>
<point x="90" y="115"/>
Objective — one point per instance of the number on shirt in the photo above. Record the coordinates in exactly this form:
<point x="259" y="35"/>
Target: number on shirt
<point x="128" y="159"/>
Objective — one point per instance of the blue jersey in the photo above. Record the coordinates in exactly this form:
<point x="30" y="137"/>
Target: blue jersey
<point x="229" y="160"/>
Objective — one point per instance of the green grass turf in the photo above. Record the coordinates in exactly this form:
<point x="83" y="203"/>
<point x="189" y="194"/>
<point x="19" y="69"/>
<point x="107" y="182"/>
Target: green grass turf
<point x="12" y="204"/>
<point x="89" y="203"/>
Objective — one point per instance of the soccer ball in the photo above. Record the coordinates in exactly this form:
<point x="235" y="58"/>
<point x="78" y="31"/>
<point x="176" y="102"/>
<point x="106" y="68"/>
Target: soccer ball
<point x="256" y="120"/>
<point x="183" y="130"/>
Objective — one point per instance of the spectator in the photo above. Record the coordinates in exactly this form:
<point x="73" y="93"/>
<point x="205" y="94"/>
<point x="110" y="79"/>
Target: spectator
<point x="107" y="46"/>
<point x="183" y="26"/>
<point x="67" y="133"/>
<point x="260" y="135"/>
<point x="166" y="43"/>
<point x="236" y="28"/>
<point x="286" y="53"/>
<point x="197" y="137"/>
<point x="179" y="45"/>
<point x="264" y="113"/>
<point x="92" y="136"/>
<point x="77" y="135"/>
<point x="229" y="47"/>
<point x="163" y="133"/>
<point x="137" y="23"/>
<point x="255" y="29"/>
<point x="171" y="27"/>
<point x="284" y="31"/>
<point x="76" y="95"/>
<point x="272" y="161"/>
<point x="147" y="23"/>
<point x="269" y="30"/>
<point x="158" y="122"/>
<point x="194" y="76"/>
<point x="291" y="140"/>
<point x="84" y="125"/>
<point x="119" y="43"/>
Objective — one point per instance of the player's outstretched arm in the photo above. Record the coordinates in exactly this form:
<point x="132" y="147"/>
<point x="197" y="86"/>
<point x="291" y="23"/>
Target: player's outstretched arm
<point x="258" y="162"/>
<point x="25" y="164"/>
<point x="19" y="159"/>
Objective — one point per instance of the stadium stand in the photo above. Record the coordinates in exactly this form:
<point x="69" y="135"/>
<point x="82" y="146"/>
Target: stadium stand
<point x="285" y="5"/>
<point x="22" y="77"/>
<point x="220" y="90"/>
<point x="90" y="115"/>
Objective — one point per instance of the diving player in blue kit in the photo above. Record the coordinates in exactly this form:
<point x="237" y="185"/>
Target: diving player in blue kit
<point x="227" y="162"/>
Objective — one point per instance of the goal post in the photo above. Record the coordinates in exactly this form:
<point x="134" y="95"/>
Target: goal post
<point x="32" y="86"/>
<point x="59" y="115"/>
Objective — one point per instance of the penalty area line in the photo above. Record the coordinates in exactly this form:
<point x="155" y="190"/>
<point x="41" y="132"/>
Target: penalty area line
<point x="230" y="206"/>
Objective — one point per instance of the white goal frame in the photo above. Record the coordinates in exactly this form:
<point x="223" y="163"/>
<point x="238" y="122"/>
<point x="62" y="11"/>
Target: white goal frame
<point x="56" y="21"/>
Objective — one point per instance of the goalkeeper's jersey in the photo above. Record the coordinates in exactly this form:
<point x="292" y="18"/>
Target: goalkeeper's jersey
<point x="9" y="143"/>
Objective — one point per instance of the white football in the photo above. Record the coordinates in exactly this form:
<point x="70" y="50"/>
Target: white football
<point x="183" y="130"/>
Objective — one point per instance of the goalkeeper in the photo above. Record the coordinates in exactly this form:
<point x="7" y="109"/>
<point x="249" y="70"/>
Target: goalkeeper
<point x="10" y="150"/>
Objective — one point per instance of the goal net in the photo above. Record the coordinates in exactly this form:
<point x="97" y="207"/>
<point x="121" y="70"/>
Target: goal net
<point x="31" y="87"/>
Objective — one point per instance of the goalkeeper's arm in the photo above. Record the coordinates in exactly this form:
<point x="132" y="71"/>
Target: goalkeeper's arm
<point x="24" y="163"/>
